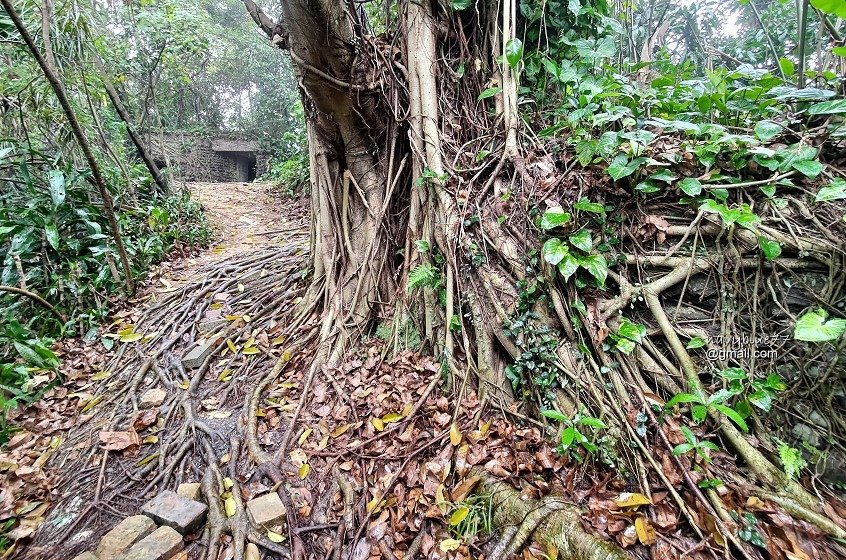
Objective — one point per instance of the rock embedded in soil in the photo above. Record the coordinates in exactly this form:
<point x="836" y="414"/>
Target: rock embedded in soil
<point x="124" y="535"/>
<point x="197" y="355"/>
<point x="180" y="513"/>
<point x="267" y="510"/>
<point x="161" y="544"/>
<point x="190" y="490"/>
<point x="153" y="398"/>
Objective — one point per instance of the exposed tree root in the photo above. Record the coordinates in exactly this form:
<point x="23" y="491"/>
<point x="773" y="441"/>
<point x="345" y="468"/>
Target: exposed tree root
<point x="550" y="521"/>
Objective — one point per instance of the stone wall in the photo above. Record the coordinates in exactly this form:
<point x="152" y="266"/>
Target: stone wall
<point x="191" y="157"/>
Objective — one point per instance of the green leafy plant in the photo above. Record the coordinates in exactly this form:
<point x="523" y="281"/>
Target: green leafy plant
<point x="815" y="326"/>
<point x="692" y="444"/>
<point x="791" y="459"/>
<point x="581" y="431"/>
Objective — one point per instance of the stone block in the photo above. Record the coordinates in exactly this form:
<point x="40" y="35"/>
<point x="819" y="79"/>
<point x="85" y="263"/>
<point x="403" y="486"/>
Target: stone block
<point x="190" y="490"/>
<point x="87" y="555"/>
<point x="162" y="544"/>
<point x="267" y="510"/>
<point x="211" y="325"/>
<point x="124" y="535"/>
<point x="197" y="355"/>
<point x="153" y="398"/>
<point x="173" y="510"/>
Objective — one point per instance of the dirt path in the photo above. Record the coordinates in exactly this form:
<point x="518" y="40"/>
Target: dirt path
<point x="246" y="216"/>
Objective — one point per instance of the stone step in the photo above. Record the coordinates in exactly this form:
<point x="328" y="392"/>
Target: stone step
<point x="162" y="544"/>
<point x="170" y="509"/>
<point x="123" y="536"/>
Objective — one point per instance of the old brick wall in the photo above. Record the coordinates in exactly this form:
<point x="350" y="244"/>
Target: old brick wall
<point x="196" y="158"/>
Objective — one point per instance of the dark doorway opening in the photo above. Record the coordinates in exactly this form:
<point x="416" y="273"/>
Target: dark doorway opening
<point x="245" y="168"/>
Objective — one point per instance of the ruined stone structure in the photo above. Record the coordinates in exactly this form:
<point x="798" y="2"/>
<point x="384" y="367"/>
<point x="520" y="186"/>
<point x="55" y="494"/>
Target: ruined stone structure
<point x="192" y="157"/>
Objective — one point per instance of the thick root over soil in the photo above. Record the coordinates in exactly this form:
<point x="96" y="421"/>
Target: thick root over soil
<point x="550" y="521"/>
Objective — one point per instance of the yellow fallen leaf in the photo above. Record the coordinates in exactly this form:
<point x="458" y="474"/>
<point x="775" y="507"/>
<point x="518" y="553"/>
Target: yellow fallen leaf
<point x="304" y="470"/>
<point x="252" y="552"/>
<point x="92" y="403"/>
<point x="459" y="515"/>
<point x="304" y="436"/>
<point x="392" y="417"/>
<point x="231" y="346"/>
<point x="100" y="375"/>
<point x="454" y="435"/>
<point x="231" y="317"/>
<point x="147" y="459"/>
<point x="340" y="430"/>
<point x="228" y="483"/>
<point x="151" y="439"/>
<point x="277" y="341"/>
<point x="225" y="375"/>
<point x="375" y="504"/>
<point x="126" y="330"/>
<point x="219" y="414"/>
<point x="250" y="342"/>
<point x="274" y="537"/>
<point x="225" y="459"/>
<point x="250" y="351"/>
<point x="632" y="500"/>
<point x="645" y="531"/>
<point x="378" y="424"/>
<point x="184" y="385"/>
<point x="440" y="500"/>
<point x="229" y="506"/>
<point x="286" y="356"/>
<point x="448" y="545"/>
<point x="131" y="337"/>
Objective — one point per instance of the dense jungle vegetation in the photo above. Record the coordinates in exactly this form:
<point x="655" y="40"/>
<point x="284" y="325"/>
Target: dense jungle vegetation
<point x="612" y="232"/>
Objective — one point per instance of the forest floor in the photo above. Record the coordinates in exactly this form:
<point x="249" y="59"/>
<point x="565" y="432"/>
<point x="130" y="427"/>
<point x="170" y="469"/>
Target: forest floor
<point x="376" y="457"/>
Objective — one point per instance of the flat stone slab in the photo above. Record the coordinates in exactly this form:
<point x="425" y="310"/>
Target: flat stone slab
<point x="211" y="325"/>
<point x="190" y="490"/>
<point x="172" y="510"/>
<point x="153" y="398"/>
<point x="87" y="555"/>
<point x="197" y="355"/>
<point x="123" y="536"/>
<point x="267" y="510"/>
<point x="162" y="544"/>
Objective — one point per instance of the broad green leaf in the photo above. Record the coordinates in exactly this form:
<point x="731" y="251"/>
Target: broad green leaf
<point x="593" y="422"/>
<point x="460" y="4"/>
<point x="554" y="217"/>
<point x="839" y="51"/>
<point x="787" y="66"/>
<point x="833" y="7"/>
<point x="583" y="240"/>
<point x="695" y="342"/>
<point x="682" y="448"/>
<point x="835" y="107"/>
<point x="732" y="415"/>
<point x="554" y="251"/>
<point x="568" y="266"/>
<point x="585" y="205"/>
<point x="52" y="235"/>
<point x="555" y="415"/>
<point x="766" y="130"/>
<point x="490" y="92"/>
<point x="809" y="168"/>
<point x="632" y="331"/>
<point x="621" y="166"/>
<point x="57" y="187"/>
<point x="770" y="249"/>
<point x="597" y="266"/>
<point x="664" y="175"/>
<point x="682" y="398"/>
<point x="514" y="52"/>
<point x="691" y="186"/>
<point x="835" y="190"/>
<point x="814" y="326"/>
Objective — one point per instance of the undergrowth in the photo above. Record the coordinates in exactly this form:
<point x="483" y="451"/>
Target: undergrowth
<point x="55" y="244"/>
